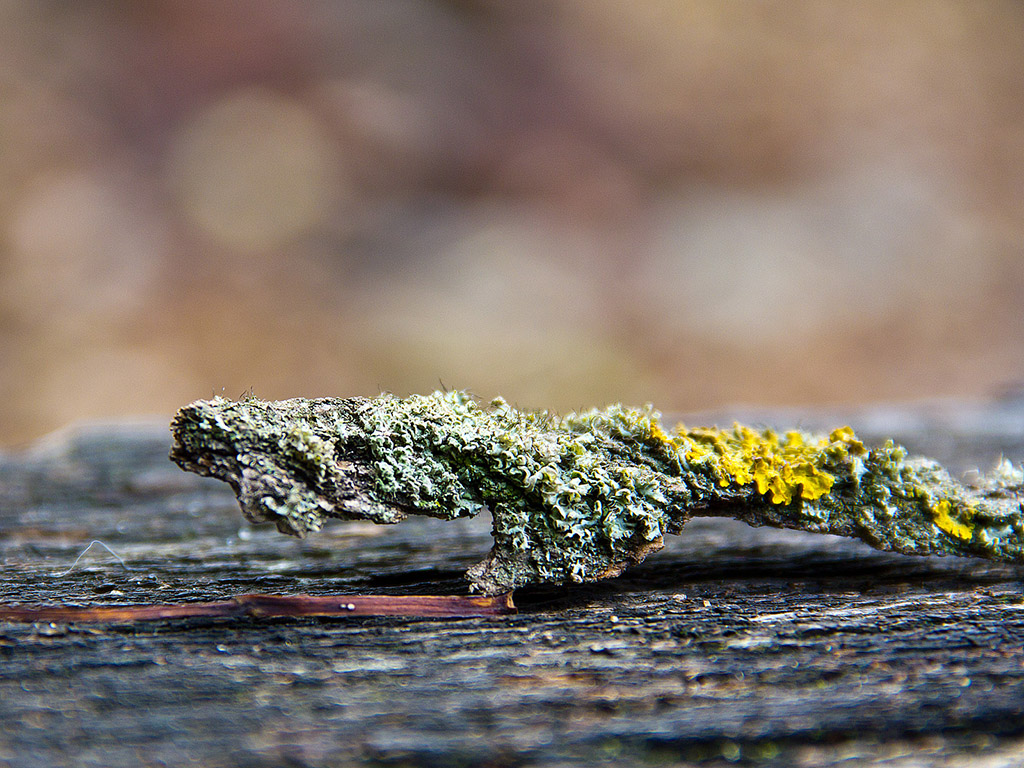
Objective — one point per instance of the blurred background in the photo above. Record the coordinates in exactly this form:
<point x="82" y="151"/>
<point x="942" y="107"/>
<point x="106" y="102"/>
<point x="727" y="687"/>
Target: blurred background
<point x="567" y="202"/>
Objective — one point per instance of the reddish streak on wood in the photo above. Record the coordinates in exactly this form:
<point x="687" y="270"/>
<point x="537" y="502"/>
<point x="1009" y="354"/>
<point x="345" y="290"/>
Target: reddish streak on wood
<point x="270" y="606"/>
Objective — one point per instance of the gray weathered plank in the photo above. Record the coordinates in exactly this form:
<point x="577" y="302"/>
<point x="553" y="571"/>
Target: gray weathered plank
<point x="765" y="646"/>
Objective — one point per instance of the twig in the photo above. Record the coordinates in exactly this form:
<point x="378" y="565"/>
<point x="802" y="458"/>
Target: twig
<point x="273" y="606"/>
<point x="581" y="497"/>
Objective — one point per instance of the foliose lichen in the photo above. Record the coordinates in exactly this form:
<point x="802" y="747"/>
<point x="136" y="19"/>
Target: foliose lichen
<point x="580" y="497"/>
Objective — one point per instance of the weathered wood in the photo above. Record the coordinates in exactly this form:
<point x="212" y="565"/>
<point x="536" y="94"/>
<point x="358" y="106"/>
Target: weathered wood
<point x="768" y="646"/>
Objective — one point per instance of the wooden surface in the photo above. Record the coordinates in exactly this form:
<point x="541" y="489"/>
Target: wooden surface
<point x="734" y="645"/>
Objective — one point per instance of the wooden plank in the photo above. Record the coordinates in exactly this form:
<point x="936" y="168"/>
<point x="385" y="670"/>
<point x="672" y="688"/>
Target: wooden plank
<point x="760" y="645"/>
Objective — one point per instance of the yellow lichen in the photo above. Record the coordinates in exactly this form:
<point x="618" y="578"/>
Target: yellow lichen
<point x="786" y="468"/>
<point x="945" y="521"/>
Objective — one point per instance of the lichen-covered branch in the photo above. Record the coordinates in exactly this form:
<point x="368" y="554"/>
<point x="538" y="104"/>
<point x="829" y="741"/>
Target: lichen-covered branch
<point x="581" y="497"/>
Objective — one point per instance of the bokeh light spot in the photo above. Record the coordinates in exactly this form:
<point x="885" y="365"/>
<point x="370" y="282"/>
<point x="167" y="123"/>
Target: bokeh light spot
<point x="254" y="170"/>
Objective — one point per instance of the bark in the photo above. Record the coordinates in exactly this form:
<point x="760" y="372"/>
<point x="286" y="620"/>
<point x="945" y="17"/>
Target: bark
<point x="580" y="498"/>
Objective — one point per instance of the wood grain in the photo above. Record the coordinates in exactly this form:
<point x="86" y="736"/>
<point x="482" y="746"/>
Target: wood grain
<point x="733" y="645"/>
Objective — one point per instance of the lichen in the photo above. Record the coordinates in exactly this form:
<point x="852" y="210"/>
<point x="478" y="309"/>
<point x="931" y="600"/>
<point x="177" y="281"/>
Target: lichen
<point x="580" y="497"/>
<point x="554" y="498"/>
<point x="793" y="466"/>
<point x="956" y="525"/>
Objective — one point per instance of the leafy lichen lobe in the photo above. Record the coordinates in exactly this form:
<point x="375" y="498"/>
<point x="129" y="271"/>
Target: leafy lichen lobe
<point x="957" y="525"/>
<point x="793" y="466"/>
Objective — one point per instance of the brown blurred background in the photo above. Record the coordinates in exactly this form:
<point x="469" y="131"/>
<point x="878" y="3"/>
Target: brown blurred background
<point x="567" y="202"/>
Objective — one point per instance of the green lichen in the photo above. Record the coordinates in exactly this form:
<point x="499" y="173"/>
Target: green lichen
<point x="580" y="497"/>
